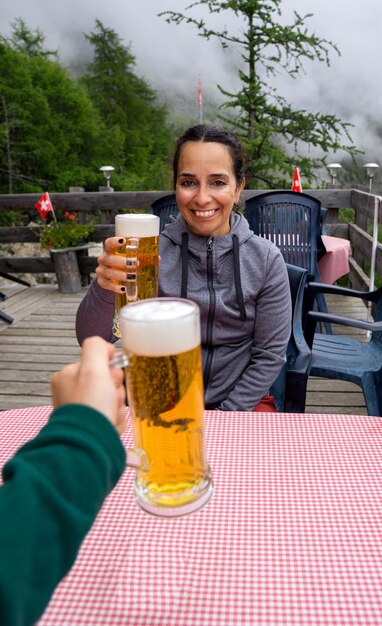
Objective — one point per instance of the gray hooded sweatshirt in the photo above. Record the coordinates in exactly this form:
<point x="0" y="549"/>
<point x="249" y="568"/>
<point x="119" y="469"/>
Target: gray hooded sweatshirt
<point x="241" y="285"/>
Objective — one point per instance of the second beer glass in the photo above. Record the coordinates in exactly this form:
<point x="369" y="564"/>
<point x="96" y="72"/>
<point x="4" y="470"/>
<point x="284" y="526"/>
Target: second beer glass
<point x="161" y="340"/>
<point x="141" y="232"/>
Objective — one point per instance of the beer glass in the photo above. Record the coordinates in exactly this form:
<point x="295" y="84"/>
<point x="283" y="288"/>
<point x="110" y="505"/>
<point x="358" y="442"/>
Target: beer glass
<point x="161" y="340"/>
<point x="141" y="232"/>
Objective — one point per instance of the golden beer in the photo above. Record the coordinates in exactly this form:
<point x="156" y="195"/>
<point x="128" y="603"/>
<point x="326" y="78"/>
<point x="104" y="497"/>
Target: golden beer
<point x="161" y="339"/>
<point x="141" y="249"/>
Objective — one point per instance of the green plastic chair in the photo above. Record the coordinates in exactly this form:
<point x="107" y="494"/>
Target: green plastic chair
<point x="165" y="208"/>
<point x="343" y="358"/>
<point x="293" y="222"/>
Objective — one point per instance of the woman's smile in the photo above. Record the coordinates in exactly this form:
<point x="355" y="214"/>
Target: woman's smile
<point x="204" y="214"/>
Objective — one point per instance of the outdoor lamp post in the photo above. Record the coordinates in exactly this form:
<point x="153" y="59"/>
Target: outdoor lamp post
<point x="107" y="170"/>
<point x="333" y="171"/>
<point x="371" y="168"/>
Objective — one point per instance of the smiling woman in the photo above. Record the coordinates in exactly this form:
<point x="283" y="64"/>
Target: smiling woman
<point x="210" y="255"/>
<point x="206" y="188"/>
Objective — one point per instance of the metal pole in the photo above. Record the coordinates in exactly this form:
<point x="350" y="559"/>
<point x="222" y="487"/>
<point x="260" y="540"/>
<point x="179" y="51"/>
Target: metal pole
<point x="374" y="245"/>
<point x="200" y="101"/>
<point x="377" y="202"/>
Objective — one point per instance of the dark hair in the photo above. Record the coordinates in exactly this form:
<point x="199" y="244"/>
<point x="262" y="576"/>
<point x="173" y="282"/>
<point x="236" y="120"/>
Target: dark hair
<point x="205" y="133"/>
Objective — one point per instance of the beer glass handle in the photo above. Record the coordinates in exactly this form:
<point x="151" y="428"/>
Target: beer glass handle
<point x="131" y="269"/>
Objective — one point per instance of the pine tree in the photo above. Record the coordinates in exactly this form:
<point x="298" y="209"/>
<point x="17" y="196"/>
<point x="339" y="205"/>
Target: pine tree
<point x="51" y="136"/>
<point x="274" y="133"/>
<point x="127" y="103"/>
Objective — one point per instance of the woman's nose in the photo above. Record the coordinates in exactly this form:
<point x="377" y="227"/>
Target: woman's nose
<point x="203" y="196"/>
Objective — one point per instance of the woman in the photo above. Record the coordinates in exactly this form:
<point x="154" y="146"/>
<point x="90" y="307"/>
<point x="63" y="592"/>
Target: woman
<point x="210" y="255"/>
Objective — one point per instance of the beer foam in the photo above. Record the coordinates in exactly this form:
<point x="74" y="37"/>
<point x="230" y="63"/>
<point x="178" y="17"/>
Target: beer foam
<point x="160" y="326"/>
<point x="136" y="225"/>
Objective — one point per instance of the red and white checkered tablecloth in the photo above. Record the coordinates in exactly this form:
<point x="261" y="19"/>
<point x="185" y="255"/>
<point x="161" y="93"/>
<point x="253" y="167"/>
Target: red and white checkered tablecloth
<point x="291" y="536"/>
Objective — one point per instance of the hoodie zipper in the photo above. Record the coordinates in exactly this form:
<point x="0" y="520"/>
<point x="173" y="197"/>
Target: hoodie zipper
<point x="211" y="313"/>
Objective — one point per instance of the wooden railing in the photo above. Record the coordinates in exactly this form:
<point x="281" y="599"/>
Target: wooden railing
<point x="366" y="207"/>
<point x="103" y="206"/>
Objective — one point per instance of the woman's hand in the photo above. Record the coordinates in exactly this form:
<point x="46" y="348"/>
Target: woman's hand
<point x="93" y="382"/>
<point x="111" y="270"/>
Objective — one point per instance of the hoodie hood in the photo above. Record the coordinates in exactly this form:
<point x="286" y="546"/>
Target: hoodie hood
<point x="196" y="246"/>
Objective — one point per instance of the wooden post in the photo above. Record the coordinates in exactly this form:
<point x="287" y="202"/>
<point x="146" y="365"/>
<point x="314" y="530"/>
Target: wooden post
<point x="67" y="270"/>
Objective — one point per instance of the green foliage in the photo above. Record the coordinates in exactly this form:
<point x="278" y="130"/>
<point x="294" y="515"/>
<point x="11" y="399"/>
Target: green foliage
<point x="56" y="131"/>
<point x="27" y="41"/>
<point x="345" y="216"/>
<point x="65" y="233"/>
<point x="377" y="277"/>
<point x="127" y="103"/>
<point x="51" y="135"/>
<point x="272" y="131"/>
<point x="14" y="218"/>
<point x="353" y="175"/>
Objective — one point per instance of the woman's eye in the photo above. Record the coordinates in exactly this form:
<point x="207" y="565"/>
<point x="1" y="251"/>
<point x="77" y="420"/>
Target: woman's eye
<point x="187" y="183"/>
<point x="219" y="183"/>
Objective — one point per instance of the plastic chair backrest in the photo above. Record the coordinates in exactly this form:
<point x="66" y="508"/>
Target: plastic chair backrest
<point x="165" y="208"/>
<point x="292" y="221"/>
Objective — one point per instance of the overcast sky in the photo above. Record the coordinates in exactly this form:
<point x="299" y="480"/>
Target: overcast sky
<point x="172" y="57"/>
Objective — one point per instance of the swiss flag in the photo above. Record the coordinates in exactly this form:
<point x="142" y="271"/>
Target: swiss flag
<point x="44" y="205"/>
<point x="296" y="185"/>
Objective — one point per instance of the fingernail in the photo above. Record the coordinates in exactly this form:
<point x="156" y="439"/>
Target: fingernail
<point x="121" y="241"/>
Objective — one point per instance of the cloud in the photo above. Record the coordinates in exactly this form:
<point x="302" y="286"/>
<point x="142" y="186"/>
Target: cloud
<point x="172" y="57"/>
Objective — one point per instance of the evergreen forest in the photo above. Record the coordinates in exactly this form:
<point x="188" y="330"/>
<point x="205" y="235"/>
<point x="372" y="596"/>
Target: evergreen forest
<point x="57" y="130"/>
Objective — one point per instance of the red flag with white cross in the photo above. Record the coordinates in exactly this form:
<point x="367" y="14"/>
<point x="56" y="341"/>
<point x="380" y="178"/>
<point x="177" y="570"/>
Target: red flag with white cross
<point x="44" y="206"/>
<point x="296" y="185"/>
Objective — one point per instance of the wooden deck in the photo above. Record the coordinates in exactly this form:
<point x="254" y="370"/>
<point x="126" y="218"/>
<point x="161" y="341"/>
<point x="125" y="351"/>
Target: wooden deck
<point x="42" y="339"/>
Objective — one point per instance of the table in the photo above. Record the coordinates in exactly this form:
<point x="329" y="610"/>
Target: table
<point x="291" y="536"/>
<point x="335" y="263"/>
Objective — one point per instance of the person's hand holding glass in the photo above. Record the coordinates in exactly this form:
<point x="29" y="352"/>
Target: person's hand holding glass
<point x="140" y="251"/>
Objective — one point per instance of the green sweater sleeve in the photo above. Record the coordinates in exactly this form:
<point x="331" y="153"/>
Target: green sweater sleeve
<point x="53" y="489"/>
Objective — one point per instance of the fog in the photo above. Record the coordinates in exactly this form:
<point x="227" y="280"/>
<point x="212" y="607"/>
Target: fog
<point x="172" y="58"/>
